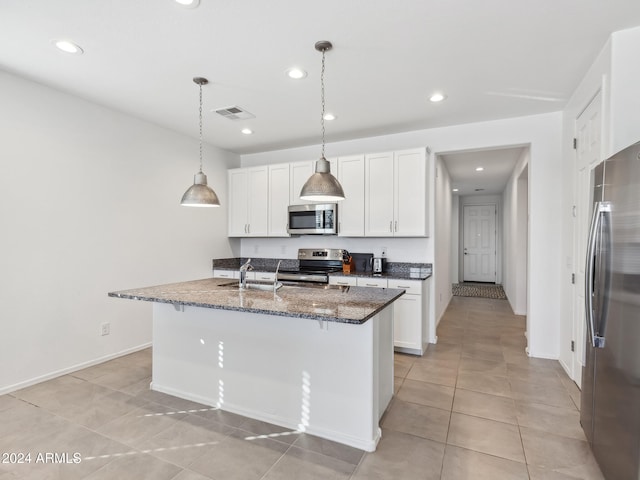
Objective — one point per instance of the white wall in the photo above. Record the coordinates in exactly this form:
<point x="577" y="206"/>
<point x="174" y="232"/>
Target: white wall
<point x="543" y="133"/>
<point x="515" y="215"/>
<point x="455" y="240"/>
<point x="442" y="235"/>
<point x="90" y="204"/>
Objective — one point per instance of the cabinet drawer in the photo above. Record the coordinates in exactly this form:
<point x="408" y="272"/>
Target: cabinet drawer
<point x="265" y="276"/>
<point x="371" y="282"/>
<point x="414" y="287"/>
<point x="226" y="274"/>
<point x="350" y="281"/>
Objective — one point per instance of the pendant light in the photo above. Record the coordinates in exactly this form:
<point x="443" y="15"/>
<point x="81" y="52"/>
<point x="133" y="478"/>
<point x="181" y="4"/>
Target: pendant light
<point x="200" y="194"/>
<point x="322" y="186"/>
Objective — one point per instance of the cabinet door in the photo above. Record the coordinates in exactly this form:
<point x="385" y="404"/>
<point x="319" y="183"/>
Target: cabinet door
<point x="378" y="195"/>
<point x="351" y="210"/>
<point x="410" y="193"/>
<point x="407" y="322"/>
<point x="258" y="204"/>
<point x="238" y="202"/>
<point x="278" y="200"/>
<point x="299" y="174"/>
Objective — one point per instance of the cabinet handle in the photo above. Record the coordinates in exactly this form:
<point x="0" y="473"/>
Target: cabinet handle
<point x="402" y="286"/>
<point x="391" y="226"/>
<point x="371" y="285"/>
<point x="248" y="228"/>
<point x="396" y="223"/>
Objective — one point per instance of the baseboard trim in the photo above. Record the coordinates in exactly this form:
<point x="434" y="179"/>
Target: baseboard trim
<point x="74" y="368"/>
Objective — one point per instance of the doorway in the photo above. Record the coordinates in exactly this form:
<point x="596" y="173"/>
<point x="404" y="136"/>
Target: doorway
<point x="479" y="243"/>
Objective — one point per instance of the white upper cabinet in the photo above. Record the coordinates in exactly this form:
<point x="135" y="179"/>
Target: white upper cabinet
<point x="350" y="174"/>
<point x="385" y="195"/>
<point x="410" y="196"/>
<point x="378" y="195"/>
<point x="248" y="206"/>
<point x="278" y="200"/>
<point x="238" y="202"/>
<point x="299" y="173"/>
<point x="396" y="194"/>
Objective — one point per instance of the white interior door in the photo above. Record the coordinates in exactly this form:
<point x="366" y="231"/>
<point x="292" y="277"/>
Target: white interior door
<point x="588" y="154"/>
<point x="479" y="263"/>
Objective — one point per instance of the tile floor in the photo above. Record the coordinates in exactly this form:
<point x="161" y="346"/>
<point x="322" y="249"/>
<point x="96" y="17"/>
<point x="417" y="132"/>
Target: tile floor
<point x="473" y="407"/>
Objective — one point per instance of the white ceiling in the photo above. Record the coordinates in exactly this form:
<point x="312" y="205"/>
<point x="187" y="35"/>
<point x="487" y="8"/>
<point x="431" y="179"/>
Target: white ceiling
<point x="497" y="164"/>
<point x="492" y="58"/>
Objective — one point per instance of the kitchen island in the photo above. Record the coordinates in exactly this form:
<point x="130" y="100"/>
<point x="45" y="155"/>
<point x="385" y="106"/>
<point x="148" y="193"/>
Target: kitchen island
<point x="309" y="359"/>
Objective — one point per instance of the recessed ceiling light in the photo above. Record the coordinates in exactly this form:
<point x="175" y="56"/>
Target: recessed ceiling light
<point x="437" y="97"/>
<point x="455" y="190"/>
<point x="479" y="169"/>
<point x="247" y="131"/>
<point x="329" y="116"/>
<point x="188" y="3"/>
<point x="68" y="46"/>
<point x="296" y="73"/>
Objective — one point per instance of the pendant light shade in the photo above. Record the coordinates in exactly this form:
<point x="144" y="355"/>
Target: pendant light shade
<point x="322" y="186"/>
<point x="200" y="194"/>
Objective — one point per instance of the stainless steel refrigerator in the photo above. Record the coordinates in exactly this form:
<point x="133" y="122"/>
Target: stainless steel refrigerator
<point x="610" y="403"/>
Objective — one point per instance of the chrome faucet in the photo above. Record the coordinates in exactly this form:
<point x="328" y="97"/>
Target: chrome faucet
<point x="243" y="274"/>
<point x="275" y="278"/>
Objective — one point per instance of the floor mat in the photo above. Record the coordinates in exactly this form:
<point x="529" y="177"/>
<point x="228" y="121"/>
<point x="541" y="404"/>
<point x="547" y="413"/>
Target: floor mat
<point x="479" y="290"/>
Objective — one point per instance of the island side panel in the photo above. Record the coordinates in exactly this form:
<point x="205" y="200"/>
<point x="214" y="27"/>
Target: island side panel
<point x="330" y="379"/>
<point x="385" y="352"/>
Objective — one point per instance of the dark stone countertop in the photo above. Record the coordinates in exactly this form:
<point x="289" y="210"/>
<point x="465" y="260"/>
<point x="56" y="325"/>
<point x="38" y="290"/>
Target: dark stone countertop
<point x="353" y="305"/>
<point x="393" y="270"/>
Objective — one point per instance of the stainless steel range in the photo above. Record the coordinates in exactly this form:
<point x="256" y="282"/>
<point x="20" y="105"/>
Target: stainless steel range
<point x="315" y="265"/>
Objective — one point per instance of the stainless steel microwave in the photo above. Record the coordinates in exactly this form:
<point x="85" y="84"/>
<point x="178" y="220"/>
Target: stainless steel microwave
<point x="313" y="219"/>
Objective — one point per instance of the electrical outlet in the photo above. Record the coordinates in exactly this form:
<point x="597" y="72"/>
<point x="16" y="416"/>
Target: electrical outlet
<point x="105" y="329"/>
<point x="383" y="251"/>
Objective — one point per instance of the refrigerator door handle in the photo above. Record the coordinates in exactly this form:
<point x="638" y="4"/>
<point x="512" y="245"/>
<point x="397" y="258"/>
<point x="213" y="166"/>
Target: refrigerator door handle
<point x="600" y="209"/>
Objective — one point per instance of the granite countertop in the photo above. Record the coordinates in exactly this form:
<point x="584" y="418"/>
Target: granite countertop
<point x="393" y="270"/>
<point x="332" y="303"/>
<point x="418" y="274"/>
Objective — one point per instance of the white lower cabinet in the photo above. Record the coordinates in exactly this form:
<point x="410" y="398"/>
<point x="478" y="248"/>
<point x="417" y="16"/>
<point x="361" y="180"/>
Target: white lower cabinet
<point x="226" y="273"/>
<point x="371" y="282"/>
<point x="410" y="319"/>
<point x="344" y="281"/>
<point x="264" y="276"/>
<point x="251" y="275"/>
<point x="410" y="311"/>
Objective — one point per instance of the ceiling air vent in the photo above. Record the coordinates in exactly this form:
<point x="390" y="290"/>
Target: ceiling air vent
<point x="234" y="113"/>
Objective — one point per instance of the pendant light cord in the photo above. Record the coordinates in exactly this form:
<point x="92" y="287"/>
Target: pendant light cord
<point x="200" y="85"/>
<point x="322" y="100"/>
